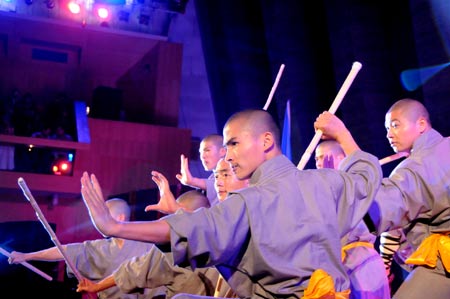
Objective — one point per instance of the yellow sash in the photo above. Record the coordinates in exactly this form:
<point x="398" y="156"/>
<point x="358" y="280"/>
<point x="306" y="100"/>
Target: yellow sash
<point x="353" y="245"/>
<point x="321" y="286"/>
<point x="434" y="246"/>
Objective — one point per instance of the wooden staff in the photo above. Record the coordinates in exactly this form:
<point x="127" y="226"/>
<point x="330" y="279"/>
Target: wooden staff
<point x="337" y="101"/>
<point x="28" y="265"/>
<point x="274" y="87"/>
<point x="47" y="227"/>
<point x="393" y="157"/>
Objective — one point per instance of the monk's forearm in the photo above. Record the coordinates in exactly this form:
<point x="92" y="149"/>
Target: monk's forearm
<point x="157" y="231"/>
<point x="347" y="142"/>
<point x="50" y="255"/>
<point x="104" y="284"/>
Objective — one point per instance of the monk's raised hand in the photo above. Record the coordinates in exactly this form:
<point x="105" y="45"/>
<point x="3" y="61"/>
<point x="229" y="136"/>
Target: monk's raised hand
<point x="185" y="176"/>
<point x="330" y="125"/>
<point x="95" y="203"/>
<point x="167" y="203"/>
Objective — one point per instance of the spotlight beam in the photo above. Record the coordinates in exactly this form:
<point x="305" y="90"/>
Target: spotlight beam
<point x="414" y="78"/>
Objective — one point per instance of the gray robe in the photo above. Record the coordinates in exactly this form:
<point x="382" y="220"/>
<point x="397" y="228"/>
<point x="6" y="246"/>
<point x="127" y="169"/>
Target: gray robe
<point x="155" y="269"/>
<point x="211" y="193"/>
<point x="96" y="259"/>
<point x="365" y="266"/>
<point x="267" y="240"/>
<point x="416" y="197"/>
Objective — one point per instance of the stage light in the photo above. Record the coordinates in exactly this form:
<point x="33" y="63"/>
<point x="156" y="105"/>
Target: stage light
<point x="102" y="13"/>
<point x="74" y="7"/>
<point x="62" y="167"/>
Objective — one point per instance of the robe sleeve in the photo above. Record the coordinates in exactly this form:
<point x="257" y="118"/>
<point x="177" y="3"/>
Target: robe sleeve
<point x="89" y="258"/>
<point x="209" y="236"/>
<point x="401" y="198"/>
<point x="361" y="175"/>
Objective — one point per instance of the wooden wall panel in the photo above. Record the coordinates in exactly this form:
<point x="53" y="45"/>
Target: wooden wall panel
<point x="121" y="155"/>
<point x="71" y="218"/>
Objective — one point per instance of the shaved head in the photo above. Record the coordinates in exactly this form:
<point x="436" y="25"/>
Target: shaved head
<point x="251" y="137"/>
<point x="256" y="122"/>
<point x="332" y="145"/>
<point x="405" y="121"/>
<point x="329" y="148"/>
<point x="411" y="109"/>
<point x="117" y="207"/>
<point x="215" y="139"/>
<point x="211" y="150"/>
<point x="192" y="200"/>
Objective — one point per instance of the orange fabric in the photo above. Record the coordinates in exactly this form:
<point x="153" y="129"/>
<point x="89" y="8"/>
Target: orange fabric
<point x="353" y="245"/>
<point x="321" y="286"/>
<point x="432" y="247"/>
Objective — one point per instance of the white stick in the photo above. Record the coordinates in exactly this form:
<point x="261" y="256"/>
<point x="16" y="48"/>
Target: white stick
<point x="393" y="157"/>
<point x="47" y="226"/>
<point x="337" y="101"/>
<point x="28" y="265"/>
<point x="274" y="87"/>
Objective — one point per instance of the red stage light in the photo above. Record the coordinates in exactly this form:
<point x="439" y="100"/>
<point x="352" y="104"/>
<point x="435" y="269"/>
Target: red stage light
<point x="62" y="167"/>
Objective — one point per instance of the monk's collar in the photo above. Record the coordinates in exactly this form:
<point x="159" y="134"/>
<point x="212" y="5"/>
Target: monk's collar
<point x="268" y="169"/>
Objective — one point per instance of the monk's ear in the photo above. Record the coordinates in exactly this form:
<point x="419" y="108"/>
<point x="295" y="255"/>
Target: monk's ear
<point x="422" y="124"/>
<point x="269" y="142"/>
<point x="222" y="151"/>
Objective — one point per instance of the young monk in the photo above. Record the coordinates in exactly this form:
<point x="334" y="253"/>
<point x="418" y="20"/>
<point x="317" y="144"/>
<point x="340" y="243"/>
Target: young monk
<point x="96" y="259"/>
<point x="280" y="237"/>
<point x="415" y="197"/>
<point x="211" y="150"/>
<point x="363" y="263"/>
<point x="152" y="269"/>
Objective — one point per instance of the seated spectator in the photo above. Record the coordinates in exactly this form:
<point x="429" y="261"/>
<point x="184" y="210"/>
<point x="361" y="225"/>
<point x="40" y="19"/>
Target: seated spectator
<point x="44" y="133"/>
<point x="60" y="134"/>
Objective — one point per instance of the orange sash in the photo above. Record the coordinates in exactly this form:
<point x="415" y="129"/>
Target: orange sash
<point x="353" y="245"/>
<point x="321" y="286"/>
<point x="434" y="246"/>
